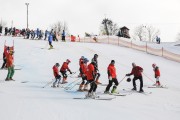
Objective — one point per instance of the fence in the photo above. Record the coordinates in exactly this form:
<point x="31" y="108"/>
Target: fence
<point x="143" y="46"/>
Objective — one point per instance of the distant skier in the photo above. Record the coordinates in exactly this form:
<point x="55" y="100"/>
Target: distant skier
<point x="97" y="74"/>
<point x="112" y="78"/>
<point x="50" y="39"/>
<point x="1" y="30"/>
<point x="83" y="71"/>
<point x="10" y="65"/>
<point x="91" y="80"/>
<point x="56" y="75"/>
<point x="64" y="69"/>
<point x="63" y="36"/>
<point x="46" y="33"/>
<point x="136" y="71"/>
<point x="157" y="74"/>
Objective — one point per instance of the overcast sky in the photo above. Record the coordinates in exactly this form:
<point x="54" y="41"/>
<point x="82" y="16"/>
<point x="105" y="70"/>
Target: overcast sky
<point x="86" y="15"/>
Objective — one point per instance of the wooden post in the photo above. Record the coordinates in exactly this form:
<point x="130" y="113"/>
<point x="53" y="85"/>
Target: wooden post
<point x="146" y="47"/>
<point x="131" y="43"/>
<point x="162" y="51"/>
<point x="118" y="40"/>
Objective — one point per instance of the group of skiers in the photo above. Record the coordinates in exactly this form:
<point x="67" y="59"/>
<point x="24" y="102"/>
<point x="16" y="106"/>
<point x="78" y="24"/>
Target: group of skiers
<point x="8" y="62"/>
<point x="90" y="75"/>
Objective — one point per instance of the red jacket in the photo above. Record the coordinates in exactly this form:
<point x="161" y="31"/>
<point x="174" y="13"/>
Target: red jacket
<point x="136" y="71"/>
<point x="90" y="72"/>
<point x="55" y="71"/>
<point x="111" y="71"/>
<point x="80" y="61"/>
<point x="64" y="67"/>
<point x="84" y="68"/>
<point x="10" y="60"/>
<point x="157" y="72"/>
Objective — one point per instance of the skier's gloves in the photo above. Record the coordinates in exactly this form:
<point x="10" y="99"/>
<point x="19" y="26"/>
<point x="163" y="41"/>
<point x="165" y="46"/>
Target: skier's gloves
<point x="127" y="74"/>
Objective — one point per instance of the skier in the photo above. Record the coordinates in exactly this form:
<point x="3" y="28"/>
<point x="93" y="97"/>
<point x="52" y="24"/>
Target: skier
<point x="97" y="74"/>
<point x="6" y="51"/>
<point x="50" y="38"/>
<point x="91" y="80"/>
<point x="46" y="33"/>
<point x="64" y="69"/>
<point x="81" y="61"/>
<point x="10" y="65"/>
<point x="56" y="75"/>
<point x="83" y="72"/>
<point x="111" y="70"/>
<point x="136" y="71"/>
<point x="157" y="74"/>
<point x="1" y="30"/>
<point x="63" y="36"/>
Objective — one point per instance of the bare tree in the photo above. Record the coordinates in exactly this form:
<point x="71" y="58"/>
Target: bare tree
<point x="146" y="33"/>
<point x="152" y="33"/>
<point x="59" y="27"/>
<point x="3" y="23"/>
<point x="178" y="37"/>
<point x="139" y="32"/>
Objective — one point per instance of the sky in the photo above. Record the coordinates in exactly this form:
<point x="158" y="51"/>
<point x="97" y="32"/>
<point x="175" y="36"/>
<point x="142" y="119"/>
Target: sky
<point x="86" y="15"/>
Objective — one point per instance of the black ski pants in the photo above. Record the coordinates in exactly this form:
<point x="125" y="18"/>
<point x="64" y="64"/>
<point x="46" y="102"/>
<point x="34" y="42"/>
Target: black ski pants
<point x="114" y="80"/>
<point x="141" y="82"/>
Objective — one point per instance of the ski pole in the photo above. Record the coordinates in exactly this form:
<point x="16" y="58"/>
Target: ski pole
<point x="73" y="85"/>
<point x="48" y="83"/>
<point x="122" y="79"/>
<point x="148" y="78"/>
<point x="70" y="84"/>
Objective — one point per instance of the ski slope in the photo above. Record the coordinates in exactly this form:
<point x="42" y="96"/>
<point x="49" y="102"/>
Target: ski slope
<point x="29" y="101"/>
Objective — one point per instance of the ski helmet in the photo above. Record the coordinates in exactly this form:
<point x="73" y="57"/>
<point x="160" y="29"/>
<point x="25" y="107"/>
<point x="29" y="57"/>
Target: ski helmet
<point x="112" y="61"/>
<point x="68" y="61"/>
<point x="82" y="57"/>
<point x="153" y="65"/>
<point x="129" y="79"/>
<point x="57" y="64"/>
<point x="95" y="55"/>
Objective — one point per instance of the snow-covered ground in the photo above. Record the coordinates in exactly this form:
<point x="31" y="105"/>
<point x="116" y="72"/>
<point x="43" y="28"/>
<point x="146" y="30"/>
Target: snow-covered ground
<point x="29" y="101"/>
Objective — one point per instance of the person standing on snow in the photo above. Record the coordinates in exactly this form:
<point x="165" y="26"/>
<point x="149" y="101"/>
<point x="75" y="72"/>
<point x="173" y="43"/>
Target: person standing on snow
<point x="64" y="69"/>
<point x="10" y="65"/>
<point x="111" y="70"/>
<point x="6" y="51"/>
<point x="83" y="71"/>
<point x="97" y="74"/>
<point x="136" y="71"/>
<point x="156" y="74"/>
<point x="81" y="61"/>
<point x="63" y="36"/>
<point x="91" y="80"/>
<point x="56" y="75"/>
<point x="50" y="39"/>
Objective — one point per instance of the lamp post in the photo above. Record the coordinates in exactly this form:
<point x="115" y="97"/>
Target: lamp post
<point x="27" y="13"/>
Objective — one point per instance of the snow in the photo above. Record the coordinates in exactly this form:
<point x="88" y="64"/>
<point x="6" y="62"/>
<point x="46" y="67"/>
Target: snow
<point x="29" y="101"/>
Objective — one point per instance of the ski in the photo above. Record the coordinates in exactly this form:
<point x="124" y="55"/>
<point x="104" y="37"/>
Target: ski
<point x="134" y="91"/>
<point x="158" y="87"/>
<point x="97" y="98"/>
<point x="117" y="94"/>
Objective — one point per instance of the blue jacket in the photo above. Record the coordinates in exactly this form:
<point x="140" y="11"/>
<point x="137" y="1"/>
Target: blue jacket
<point x="50" y="38"/>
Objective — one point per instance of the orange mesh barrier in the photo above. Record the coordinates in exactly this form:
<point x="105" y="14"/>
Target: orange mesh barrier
<point x="128" y="43"/>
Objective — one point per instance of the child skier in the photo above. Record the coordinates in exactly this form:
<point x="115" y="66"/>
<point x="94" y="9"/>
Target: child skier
<point x="83" y="72"/>
<point x="91" y="80"/>
<point x="112" y="78"/>
<point x="10" y="65"/>
<point x="50" y="38"/>
<point x="64" y="69"/>
<point x="156" y="74"/>
<point x="56" y="75"/>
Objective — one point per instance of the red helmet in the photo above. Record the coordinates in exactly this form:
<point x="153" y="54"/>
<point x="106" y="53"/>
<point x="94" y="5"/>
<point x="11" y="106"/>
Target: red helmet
<point x="68" y="61"/>
<point x="153" y="65"/>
